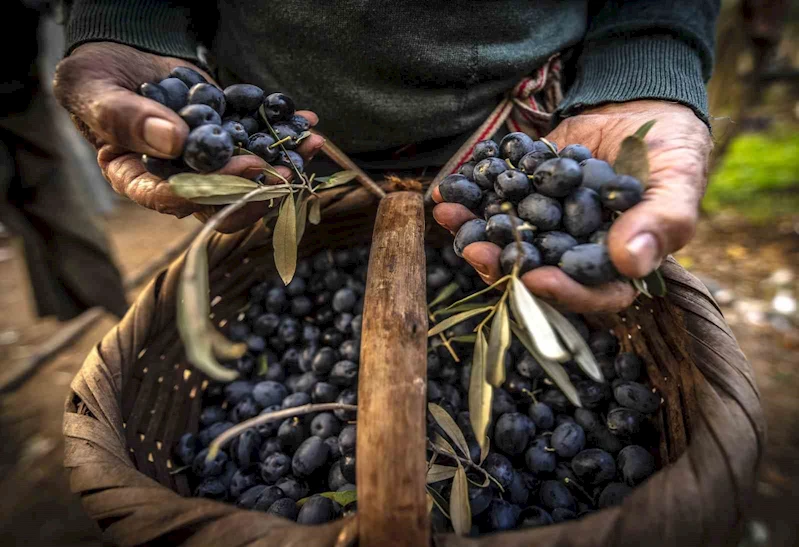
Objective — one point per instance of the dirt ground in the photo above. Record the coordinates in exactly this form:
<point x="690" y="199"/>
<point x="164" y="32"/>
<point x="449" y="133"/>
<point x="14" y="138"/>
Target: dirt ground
<point x="38" y="510"/>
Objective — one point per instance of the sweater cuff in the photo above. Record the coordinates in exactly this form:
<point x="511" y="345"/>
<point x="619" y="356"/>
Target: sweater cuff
<point x="159" y="27"/>
<point x="651" y="67"/>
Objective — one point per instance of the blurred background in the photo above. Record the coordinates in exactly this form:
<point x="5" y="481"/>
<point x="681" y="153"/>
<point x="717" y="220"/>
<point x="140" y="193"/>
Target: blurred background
<point x="746" y="251"/>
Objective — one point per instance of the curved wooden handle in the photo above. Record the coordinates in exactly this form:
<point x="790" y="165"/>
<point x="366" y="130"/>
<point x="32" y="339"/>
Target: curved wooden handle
<point x="391" y="466"/>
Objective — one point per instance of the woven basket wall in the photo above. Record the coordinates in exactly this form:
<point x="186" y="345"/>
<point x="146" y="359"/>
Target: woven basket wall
<point x="134" y="396"/>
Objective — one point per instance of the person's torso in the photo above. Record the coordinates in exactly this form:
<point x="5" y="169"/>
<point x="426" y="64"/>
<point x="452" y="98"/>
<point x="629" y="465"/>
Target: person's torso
<point x="384" y="73"/>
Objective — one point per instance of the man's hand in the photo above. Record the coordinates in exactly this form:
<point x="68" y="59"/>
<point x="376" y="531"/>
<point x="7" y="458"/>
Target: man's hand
<point x="679" y="146"/>
<point x="97" y="84"/>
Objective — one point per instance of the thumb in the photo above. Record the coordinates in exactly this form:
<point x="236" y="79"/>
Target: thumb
<point x="123" y="118"/>
<point x="95" y="85"/>
<point x="664" y="221"/>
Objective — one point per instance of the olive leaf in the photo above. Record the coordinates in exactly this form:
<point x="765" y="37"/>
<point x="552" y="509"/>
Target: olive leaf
<point x="192" y="314"/>
<point x="315" y="211"/>
<point x="438" y="473"/>
<point x="553" y="369"/>
<point x="640" y="286"/>
<point x="233" y="198"/>
<point x="530" y="315"/>
<point x="443" y="295"/>
<point x="438" y="501"/>
<point x="336" y="179"/>
<point x="196" y="185"/>
<point x="480" y="393"/>
<point x="302" y="218"/>
<point x="442" y="444"/>
<point x="240" y="151"/>
<point x="633" y="157"/>
<point x="445" y="422"/>
<point x="284" y="240"/>
<point x="574" y="341"/>
<point x="460" y="510"/>
<point x="498" y="344"/>
<point x="474" y="295"/>
<point x="644" y="129"/>
<point x="263" y="365"/>
<point x="430" y="502"/>
<point x="464" y="307"/>
<point x="455" y="319"/>
<point x="464" y="338"/>
<point x="223" y="348"/>
<point x="655" y="283"/>
<point x="342" y="498"/>
<point x="550" y="146"/>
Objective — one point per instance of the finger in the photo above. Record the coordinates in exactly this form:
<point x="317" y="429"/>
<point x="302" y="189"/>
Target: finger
<point x="552" y="284"/>
<point x="117" y="115"/>
<point x="666" y="218"/>
<point x="247" y="166"/>
<point x="310" y="146"/>
<point x="484" y="258"/>
<point x="312" y="118"/>
<point x="452" y="216"/>
<point x="437" y="197"/>
<point x="128" y="177"/>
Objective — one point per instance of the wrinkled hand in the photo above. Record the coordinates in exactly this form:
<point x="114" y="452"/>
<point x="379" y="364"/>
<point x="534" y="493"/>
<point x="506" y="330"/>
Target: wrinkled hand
<point x="97" y="84"/>
<point x="679" y="146"/>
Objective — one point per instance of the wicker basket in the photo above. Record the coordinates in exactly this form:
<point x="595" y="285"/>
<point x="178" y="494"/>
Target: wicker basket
<point x="134" y="396"/>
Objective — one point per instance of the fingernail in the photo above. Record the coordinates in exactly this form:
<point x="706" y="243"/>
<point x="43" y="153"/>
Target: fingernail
<point x="643" y="248"/>
<point x="161" y="135"/>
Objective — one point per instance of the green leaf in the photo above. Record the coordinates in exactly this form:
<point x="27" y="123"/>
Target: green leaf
<point x="455" y="319"/>
<point x="460" y="510"/>
<point x="336" y="179"/>
<point x="233" y="198"/>
<point x="633" y="158"/>
<point x="284" y="240"/>
<point x="445" y="422"/>
<point x="315" y="213"/>
<point x="192" y="314"/>
<point x="195" y="185"/>
<point x="480" y="393"/>
<point x="498" y="344"/>
<point x="342" y="498"/>
<point x="465" y="307"/>
<point x="553" y="369"/>
<point x="656" y="284"/>
<point x="644" y="129"/>
<point x="529" y="314"/>
<point x="263" y="364"/>
<point x="582" y="354"/>
<point x="464" y="338"/>
<point x="443" y="295"/>
<point x="302" y="218"/>
<point x="438" y="473"/>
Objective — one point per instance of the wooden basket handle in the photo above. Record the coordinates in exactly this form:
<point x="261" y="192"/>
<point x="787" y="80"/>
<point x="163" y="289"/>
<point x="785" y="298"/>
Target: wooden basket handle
<point x="391" y="465"/>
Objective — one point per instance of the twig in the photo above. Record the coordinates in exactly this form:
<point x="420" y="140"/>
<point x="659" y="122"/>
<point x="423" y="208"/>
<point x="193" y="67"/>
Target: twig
<point x="240" y="428"/>
<point x="465" y="461"/>
<point x="337" y="155"/>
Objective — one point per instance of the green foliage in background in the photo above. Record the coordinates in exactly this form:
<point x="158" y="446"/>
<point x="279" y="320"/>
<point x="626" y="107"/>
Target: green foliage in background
<point x="758" y="177"/>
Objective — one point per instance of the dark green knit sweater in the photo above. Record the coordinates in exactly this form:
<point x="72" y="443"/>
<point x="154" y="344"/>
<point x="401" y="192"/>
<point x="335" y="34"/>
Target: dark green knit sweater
<point x="385" y="73"/>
